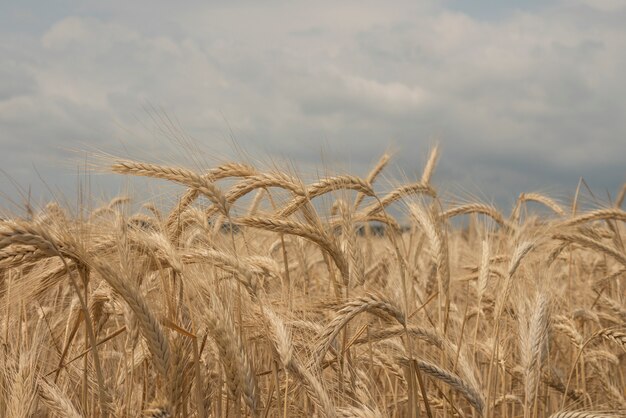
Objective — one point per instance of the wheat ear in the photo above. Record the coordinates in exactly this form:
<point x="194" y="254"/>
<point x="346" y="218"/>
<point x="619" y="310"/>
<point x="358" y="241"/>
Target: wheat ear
<point x="369" y="303"/>
<point x="309" y="232"/>
<point x="470" y="393"/>
<point x="593" y="244"/>
<point x="241" y="376"/>
<point x="325" y="186"/>
<point x="177" y="175"/>
<point x="588" y="414"/>
<point x="56" y="400"/>
<point x="380" y="165"/>
<point x="430" y="165"/>
<point x="535" y="350"/>
<point x="600" y="214"/>
<point x="488" y="210"/>
<point x="281" y="340"/>
<point x="149" y="325"/>
<point x="536" y="197"/>
<point x="397" y="194"/>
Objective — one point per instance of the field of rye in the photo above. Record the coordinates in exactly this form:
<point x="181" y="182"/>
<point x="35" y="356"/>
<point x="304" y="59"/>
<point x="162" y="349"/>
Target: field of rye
<point x="262" y="295"/>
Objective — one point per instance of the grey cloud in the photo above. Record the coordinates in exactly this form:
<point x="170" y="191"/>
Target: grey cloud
<point x="525" y="97"/>
<point x="15" y="80"/>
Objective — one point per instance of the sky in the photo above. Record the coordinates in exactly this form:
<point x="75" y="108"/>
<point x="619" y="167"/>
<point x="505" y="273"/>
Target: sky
<point x="521" y="95"/>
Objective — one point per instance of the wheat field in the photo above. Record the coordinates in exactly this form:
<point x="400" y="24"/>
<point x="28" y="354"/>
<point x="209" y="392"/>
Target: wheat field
<point x="261" y="295"/>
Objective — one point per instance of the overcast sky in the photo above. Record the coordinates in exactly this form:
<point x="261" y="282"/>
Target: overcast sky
<point x="521" y="95"/>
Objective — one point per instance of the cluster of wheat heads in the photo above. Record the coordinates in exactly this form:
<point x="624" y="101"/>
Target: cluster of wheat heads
<point x="274" y="307"/>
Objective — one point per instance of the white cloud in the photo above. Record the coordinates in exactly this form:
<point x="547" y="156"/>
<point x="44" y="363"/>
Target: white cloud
<point x="395" y="94"/>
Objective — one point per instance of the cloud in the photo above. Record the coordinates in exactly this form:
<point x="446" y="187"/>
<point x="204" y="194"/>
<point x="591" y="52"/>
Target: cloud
<point x="604" y="5"/>
<point x="526" y="96"/>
